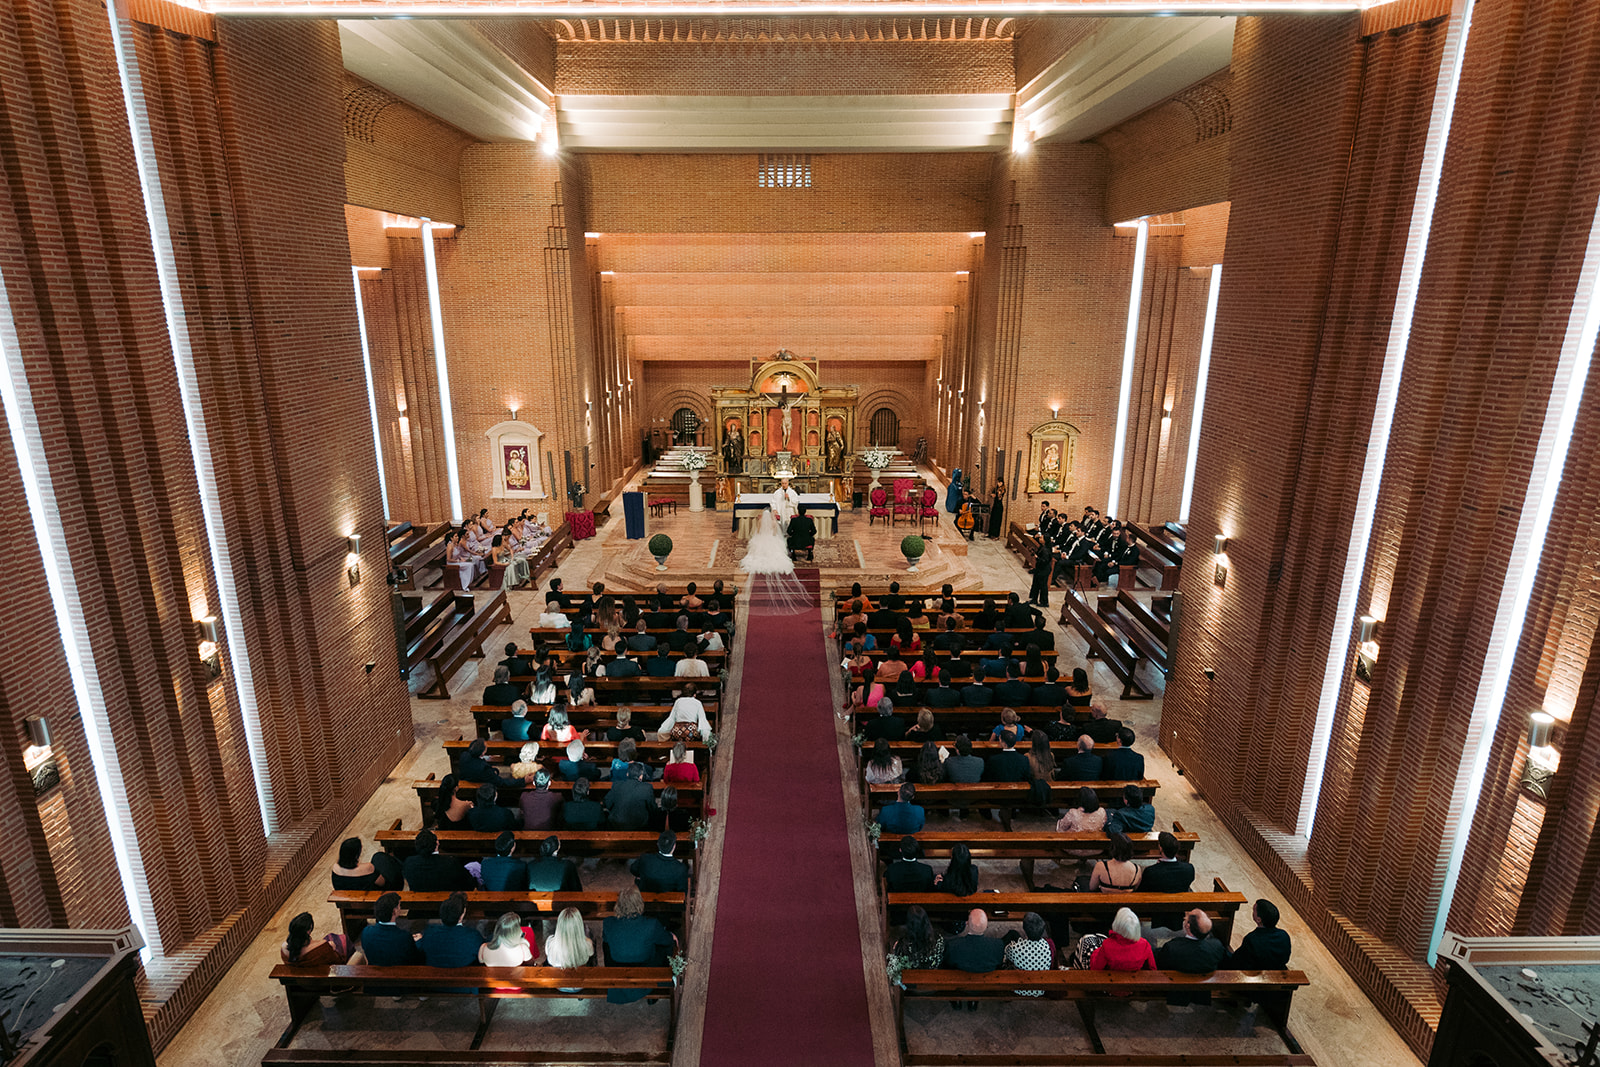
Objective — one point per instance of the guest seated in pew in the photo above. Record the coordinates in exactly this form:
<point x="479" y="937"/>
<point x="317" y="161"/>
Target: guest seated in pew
<point x="905" y="640"/>
<point x="579" y="691"/>
<point x="1013" y="691"/>
<point x="680" y="766"/>
<point x="300" y="949"/>
<point x="894" y="601"/>
<point x="426" y="871"/>
<point x="667" y="815"/>
<point x="1194" y="951"/>
<point x="503" y="871"/>
<point x="974" y="951"/>
<point x="613" y="638"/>
<point x="515" y="726"/>
<point x="891" y="667"/>
<point x="887" y="726"/>
<point x="577" y="764"/>
<point x="690" y="601"/>
<point x="1119" y="874"/>
<point x="662" y="617"/>
<point x="349" y="873"/>
<point x="384" y="943"/>
<point x="474" y="765"/>
<point x="627" y="756"/>
<point x="1078" y="693"/>
<point x="1124" y="764"/>
<point x="921" y="945"/>
<point x="630" y="802"/>
<point x="1007" y="765"/>
<point x="948" y="640"/>
<point x="540" y="807"/>
<point x="634" y="939"/>
<point x="510" y="945"/>
<point x="884" y="619"/>
<point x="884" y="766"/>
<point x="640" y="640"/>
<point x="516" y="570"/>
<point x="964" y="766"/>
<point x="1009" y="720"/>
<point x="930" y="768"/>
<point x="1099" y="729"/>
<point x="1266" y="948"/>
<point x="1050" y="693"/>
<point x="552" y="617"/>
<point x="660" y="871"/>
<point x="559" y="730"/>
<point x="869" y="694"/>
<point x="691" y="665"/>
<point x="999" y="641"/>
<point x="716" y="619"/>
<point x="1039" y="635"/>
<point x="527" y="763"/>
<point x="1087" y="817"/>
<point x="450" y="811"/>
<point x="543" y="690"/>
<point x="903" y="817"/>
<point x="710" y="639"/>
<point x="959" y="669"/>
<point x="917" y="612"/>
<point x="517" y="665"/>
<point x="861" y="598"/>
<point x="925" y="728"/>
<point x="581" y="813"/>
<point x="1033" y="951"/>
<point x="661" y="665"/>
<point x="448" y="943"/>
<point x="624" y="730"/>
<point x="960" y="877"/>
<point x="502" y="693"/>
<point x="1136" y="816"/>
<point x="1168" y="874"/>
<point x="988" y="618"/>
<point x="1018" y="615"/>
<point x="556" y="596"/>
<point x="1041" y="771"/>
<point x="578" y="638"/>
<point x="1124" y="949"/>
<point x="944" y="695"/>
<point x="621" y="667"/>
<point x="908" y="874"/>
<point x="687" y="719"/>
<point x="550" y="873"/>
<point x="949" y="617"/>
<point x="1083" y="765"/>
<point x="487" y="816"/>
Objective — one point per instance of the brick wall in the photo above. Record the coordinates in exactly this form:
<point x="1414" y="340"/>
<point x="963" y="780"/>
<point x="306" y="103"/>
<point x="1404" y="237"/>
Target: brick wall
<point x="396" y="157"/>
<point x="1173" y="156"/>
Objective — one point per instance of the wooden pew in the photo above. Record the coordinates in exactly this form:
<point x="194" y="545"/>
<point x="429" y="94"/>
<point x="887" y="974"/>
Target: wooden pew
<point x="1004" y="796"/>
<point x="1157" y="554"/>
<point x="1023" y="844"/>
<point x="465" y="641"/>
<point x="356" y="907"/>
<point x="585" y="717"/>
<point x="305" y="986"/>
<point x="1130" y="617"/>
<point x="427" y="790"/>
<point x="575" y="844"/>
<point x="971" y="721"/>
<point x="503" y="753"/>
<point x="426" y="629"/>
<point x="1273" y="989"/>
<point x="550" y="552"/>
<point x="1104" y="643"/>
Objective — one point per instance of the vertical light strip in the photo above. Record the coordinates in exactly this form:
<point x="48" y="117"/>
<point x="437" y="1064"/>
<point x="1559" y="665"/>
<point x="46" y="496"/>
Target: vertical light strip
<point x="1129" y="344"/>
<point x="1527" y="549"/>
<point x="39" y="490"/>
<point x="1201" y="376"/>
<point x="372" y="397"/>
<point x="442" y="368"/>
<point x="1366" y="502"/>
<point x="194" y="418"/>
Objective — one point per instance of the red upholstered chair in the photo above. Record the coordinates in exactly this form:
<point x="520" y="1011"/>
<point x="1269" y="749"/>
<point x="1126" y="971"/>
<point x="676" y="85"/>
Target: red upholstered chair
<point x="880" y="506"/>
<point x="930" y="506"/>
<point x="905" y="506"/>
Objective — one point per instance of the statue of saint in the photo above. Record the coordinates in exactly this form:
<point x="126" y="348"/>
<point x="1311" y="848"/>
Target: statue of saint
<point x="835" y="448"/>
<point x="733" y="449"/>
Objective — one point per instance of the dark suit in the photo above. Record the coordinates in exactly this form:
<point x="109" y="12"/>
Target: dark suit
<point x="572" y="770"/>
<point x="582" y="815"/>
<point x="629" y="805"/>
<point x="977" y="696"/>
<point x="655" y="873"/>
<point x="476" y="769"/>
<point x="433" y="873"/>
<point x="974" y="954"/>
<point x="1167" y="876"/>
<point x="1043" y="638"/>
<point x="517" y="665"/>
<point x="1016" y="617"/>
<point x="661" y="666"/>
<point x="909" y="876"/>
<point x="1188" y="956"/>
<point x="802" y="535"/>
<point x="1081" y="767"/>
<point x="450" y="946"/>
<point x="1010" y="766"/>
<point x="1263" y="949"/>
<point x="552" y="874"/>
<point x="892" y="727"/>
<point x="503" y="695"/>
<point x="1013" y="693"/>
<point x="1124" y="765"/>
<point x="999" y="641"/>
<point x="503" y="873"/>
<point x="658" y="620"/>
<point x="622" y="668"/>
<point x="514" y="729"/>
<point x="1104" y="731"/>
<point x="491" y="820"/>
<point x="539" y="809"/>
<point x="387" y="945"/>
<point x="1049" y="695"/>
<point x="678" y="640"/>
<point x="642" y="642"/>
<point x="943" y="697"/>
<point x="902" y="818"/>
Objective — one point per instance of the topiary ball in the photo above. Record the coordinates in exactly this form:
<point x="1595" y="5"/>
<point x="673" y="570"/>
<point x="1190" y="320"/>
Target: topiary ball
<point x="660" y="545"/>
<point x="912" y="546"/>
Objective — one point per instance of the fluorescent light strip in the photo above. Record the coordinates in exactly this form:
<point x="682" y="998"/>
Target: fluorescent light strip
<point x="1544" y="482"/>
<point x="372" y="398"/>
<point x="1201" y="377"/>
<point x="1130" y="343"/>
<point x="442" y="367"/>
<point x="194" y="420"/>
<point x="1394" y="359"/>
<point x="39" y="491"/>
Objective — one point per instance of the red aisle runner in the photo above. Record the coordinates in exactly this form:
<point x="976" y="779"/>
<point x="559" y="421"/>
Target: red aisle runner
<point x="786" y="984"/>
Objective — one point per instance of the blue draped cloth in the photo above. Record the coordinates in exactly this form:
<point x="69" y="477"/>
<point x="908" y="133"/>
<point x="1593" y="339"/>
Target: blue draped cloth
<point x="952" y="497"/>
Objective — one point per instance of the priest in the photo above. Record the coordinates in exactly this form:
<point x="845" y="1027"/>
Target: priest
<point x="785" y="502"/>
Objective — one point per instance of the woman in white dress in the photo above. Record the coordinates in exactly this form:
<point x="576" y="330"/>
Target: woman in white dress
<point x="769" y="549"/>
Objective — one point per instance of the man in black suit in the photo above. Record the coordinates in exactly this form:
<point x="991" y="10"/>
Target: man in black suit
<point x="681" y="636"/>
<point x="972" y="951"/>
<point x="1052" y="694"/>
<point x="1007" y="765"/>
<point x="658" y="871"/>
<point x="624" y="666"/>
<point x="384" y="943"/>
<point x="1124" y="764"/>
<point x="887" y="724"/>
<point x="948" y="640"/>
<point x="908" y="874"/>
<point x="517" y="665"/>
<point x="802" y="536"/>
<point x="502" y="694"/>
<point x="474" y="766"/>
<point x="661" y="665"/>
<point x="1266" y="948"/>
<point x="1103" y="730"/>
<point x="1168" y="874"/>
<point x="639" y="640"/>
<point x="1013" y="692"/>
<point x="1017" y="614"/>
<point x="426" y="871"/>
<point x="1038" y="636"/>
<point x="487" y="816"/>
<point x="514" y="727"/>
<point x="448" y="943"/>
<point x="631" y="801"/>
<point x="1194" y="951"/>
<point x="503" y="872"/>
<point x="1083" y="765"/>
<point x="662" y="617"/>
<point x="977" y="695"/>
<point x="1043" y="563"/>
<point x="894" y="601"/>
<point x="552" y="874"/>
<point x="581" y="813"/>
<point x="943" y="695"/>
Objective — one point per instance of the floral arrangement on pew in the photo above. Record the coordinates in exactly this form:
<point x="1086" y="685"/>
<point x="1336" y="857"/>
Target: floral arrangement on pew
<point x="893" y="965"/>
<point x="679" y="964"/>
<point x="694" y="461"/>
<point x="698" y="829"/>
<point x="859" y="740"/>
<point x="874" y="831"/>
<point x="876" y="458"/>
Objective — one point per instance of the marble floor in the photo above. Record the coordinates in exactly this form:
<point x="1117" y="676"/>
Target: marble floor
<point x="243" y="1016"/>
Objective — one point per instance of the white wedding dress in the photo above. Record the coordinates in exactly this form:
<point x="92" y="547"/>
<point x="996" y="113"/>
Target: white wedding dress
<point x="769" y="548"/>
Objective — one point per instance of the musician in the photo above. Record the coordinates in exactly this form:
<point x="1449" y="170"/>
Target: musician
<point x="967" y="518"/>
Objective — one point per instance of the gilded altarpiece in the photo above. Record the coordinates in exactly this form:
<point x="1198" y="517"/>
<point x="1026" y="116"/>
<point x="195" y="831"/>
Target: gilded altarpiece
<point x="783" y="421"/>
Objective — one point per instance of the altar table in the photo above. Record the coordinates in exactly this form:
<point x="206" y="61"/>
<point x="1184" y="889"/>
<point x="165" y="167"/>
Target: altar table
<point x="820" y="506"/>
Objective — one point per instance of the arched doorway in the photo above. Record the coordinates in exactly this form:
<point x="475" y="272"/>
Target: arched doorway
<point x="685" y="426"/>
<point x="885" y="429"/>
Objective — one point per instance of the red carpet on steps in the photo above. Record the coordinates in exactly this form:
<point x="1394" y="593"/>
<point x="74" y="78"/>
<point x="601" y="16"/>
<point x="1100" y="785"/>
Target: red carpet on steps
<point x="786" y="984"/>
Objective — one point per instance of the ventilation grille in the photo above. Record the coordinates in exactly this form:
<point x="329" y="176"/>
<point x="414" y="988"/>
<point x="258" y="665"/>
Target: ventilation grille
<point x="784" y="172"/>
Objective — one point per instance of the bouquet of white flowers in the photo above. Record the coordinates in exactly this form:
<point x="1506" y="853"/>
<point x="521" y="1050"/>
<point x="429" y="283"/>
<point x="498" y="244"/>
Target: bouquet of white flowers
<point x="876" y="458"/>
<point x="694" y="461"/>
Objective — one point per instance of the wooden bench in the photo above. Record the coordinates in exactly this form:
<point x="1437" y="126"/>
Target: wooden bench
<point x="427" y="627"/>
<point x="1023" y="844"/>
<point x="1104" y="643"/>
<point x="1005" y="797"/>
<point x="356" y="907"/>
<point x="427" y="790"/>
<point x="575" y="844"/>
<point x="585" y="717"/>
<point x="976" y="723"/>
<point x="501" y="752"/>
<point x="1273" y="989"/>
<point x="464" y="641"/>
<point x="1158" y="554"/>
<point x="1139" y="626"/>
<point x="306" y="986"/>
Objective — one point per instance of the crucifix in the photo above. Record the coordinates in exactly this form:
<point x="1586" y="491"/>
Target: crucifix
<point x="788" y="415"/>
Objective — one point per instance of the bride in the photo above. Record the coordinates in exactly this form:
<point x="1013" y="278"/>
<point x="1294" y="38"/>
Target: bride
<point x="769" y="549"/>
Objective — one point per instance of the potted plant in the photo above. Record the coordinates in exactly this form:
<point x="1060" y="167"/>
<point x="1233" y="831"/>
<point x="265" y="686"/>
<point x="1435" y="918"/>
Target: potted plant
<point x="694" y="463"/>
<point x="912" y="546"/>
<point x="660" y="547"/>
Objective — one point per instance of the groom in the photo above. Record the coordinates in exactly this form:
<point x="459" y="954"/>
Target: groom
<point x="802" y="536"/>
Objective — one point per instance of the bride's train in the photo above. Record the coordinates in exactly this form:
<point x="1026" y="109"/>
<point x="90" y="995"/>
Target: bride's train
<point x="776" y="591"/>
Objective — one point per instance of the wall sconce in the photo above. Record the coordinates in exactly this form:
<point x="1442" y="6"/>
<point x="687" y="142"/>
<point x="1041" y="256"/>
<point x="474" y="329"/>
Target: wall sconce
<point x="38" y="759"/>
<point x="352" y="559"/>
<point x="1055" y="411"/>
<point x="1219" y="577"/>
<point x="1543" y="759"/>
<point x="210" y="651"/>
<point x="513" y="408"/>
<point x="1366" y="649"/>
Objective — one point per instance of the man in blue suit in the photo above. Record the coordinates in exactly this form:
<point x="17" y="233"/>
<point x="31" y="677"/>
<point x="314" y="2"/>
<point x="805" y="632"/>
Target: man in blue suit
<point x="448" y="943"/>
<point x="384" y="943"/>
